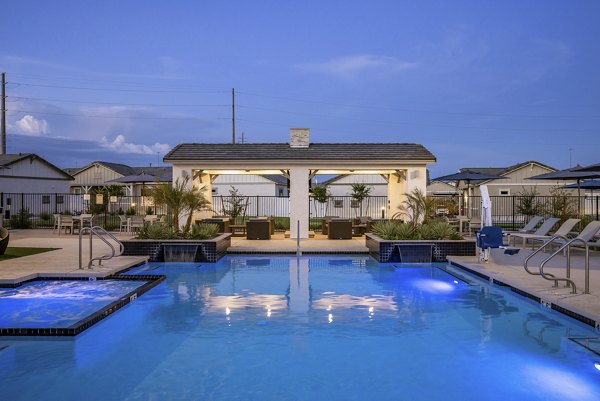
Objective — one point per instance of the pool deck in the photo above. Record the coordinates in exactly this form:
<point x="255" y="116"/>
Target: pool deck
<point x="63" y="262"/>
<point x="503" y="269"/>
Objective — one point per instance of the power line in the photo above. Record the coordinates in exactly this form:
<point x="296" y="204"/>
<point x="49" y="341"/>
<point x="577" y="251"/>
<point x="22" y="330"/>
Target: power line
<point x="118" y="89"/>
<point x="118" y="104"/>
<point x="119" y="117"/>
<point x="362" y="106"/>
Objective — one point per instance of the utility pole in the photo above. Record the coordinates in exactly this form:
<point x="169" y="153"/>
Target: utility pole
<point x="3" y="117"/>
<point x="233" y="116"/>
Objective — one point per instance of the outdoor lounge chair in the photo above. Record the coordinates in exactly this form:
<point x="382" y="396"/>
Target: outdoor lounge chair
<point x="586" y="235"/>
<point x="340" y="229"/>
<point x="563" y="231"/>
<point x="4" y="237"/>
<point x="542" y="231"/>
<point x="530" y="226"/>
<point x="258" y="229"/>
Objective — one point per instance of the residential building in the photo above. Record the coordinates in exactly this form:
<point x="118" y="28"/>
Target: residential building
<point x="30" y="173"/>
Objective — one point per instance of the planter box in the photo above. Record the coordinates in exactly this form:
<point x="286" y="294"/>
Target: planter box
<point x="383" y="250"/>
<point x="211" y="250"/>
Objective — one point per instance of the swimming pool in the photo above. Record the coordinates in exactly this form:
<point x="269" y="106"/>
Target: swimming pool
<point x="318" y="328"/>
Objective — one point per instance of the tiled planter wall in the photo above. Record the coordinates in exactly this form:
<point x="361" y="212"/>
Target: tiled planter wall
<point x="211" y="250"/>
<point x="383" y="250"/>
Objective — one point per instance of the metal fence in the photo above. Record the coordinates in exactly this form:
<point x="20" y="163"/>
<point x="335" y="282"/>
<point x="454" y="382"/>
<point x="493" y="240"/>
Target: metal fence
<point x="514" y="211"/>
<point x="24" y="210"/>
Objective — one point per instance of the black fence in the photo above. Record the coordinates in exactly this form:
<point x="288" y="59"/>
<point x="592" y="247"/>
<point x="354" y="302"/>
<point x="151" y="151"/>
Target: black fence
<point x="23" y="210"/>
<point x="513" y="212"/>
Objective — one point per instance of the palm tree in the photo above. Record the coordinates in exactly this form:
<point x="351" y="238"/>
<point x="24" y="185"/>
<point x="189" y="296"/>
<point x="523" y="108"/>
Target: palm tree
<point x="194" y="201"/>
<point x="173" y="196"/>
<point x="418" y="207"/>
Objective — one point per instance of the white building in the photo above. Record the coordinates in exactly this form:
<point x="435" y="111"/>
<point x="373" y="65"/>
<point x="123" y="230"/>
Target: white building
<point x="404" y="166"/>
<point x="250" y="185"/>
<point x="341" y="185"/>
<point x="29" y="173"/>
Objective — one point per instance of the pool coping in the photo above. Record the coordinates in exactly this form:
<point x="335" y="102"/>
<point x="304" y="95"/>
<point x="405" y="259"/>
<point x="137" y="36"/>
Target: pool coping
<point x="152" y="280"/>
<point x="556" y="305"/>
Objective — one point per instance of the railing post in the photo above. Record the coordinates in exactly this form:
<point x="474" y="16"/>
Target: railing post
<point x="257" y="206"/>
<point x="513" y="213"/>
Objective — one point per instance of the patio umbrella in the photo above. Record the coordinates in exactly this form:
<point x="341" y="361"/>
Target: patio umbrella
<point x="468" y="176"/>
<point x="570" y="174"/>
<point x="592" y="167"/>
<point x="589" y="184"/>
<point x="136" y="179"/>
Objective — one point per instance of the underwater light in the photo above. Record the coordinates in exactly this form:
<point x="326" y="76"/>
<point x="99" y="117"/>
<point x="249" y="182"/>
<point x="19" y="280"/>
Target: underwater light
<point x="455" y="281"/>
<point x="597" y="365"/>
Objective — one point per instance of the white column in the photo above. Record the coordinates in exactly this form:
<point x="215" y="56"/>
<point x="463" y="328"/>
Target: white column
<point x="299" y="208"/>
<point x="201" y="179"/>
<point x="395" y="192"/>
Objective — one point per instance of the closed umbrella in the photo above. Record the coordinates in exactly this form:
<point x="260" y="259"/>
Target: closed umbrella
<point x="486" y="207"/>
<point x="468" y="176"/>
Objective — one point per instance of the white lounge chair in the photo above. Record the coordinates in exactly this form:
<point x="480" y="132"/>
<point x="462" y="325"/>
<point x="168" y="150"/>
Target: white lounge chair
<point x="542" y="231"/>
<point x="563" y="231"/>
<point x="529" y="227"/>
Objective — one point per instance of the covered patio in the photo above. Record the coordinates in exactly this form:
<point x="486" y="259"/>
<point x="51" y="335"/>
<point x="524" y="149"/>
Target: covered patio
<point x="403" y="166"/>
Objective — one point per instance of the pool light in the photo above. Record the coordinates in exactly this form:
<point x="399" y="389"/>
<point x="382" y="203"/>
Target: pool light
<point x="455" y="281"/>
<point x="597" y="365"/>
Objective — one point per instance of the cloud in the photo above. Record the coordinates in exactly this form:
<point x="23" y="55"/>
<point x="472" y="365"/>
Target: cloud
<point x="120" y="145"/>
<point x="29" y="125"/>
<point x="350" y="67"/>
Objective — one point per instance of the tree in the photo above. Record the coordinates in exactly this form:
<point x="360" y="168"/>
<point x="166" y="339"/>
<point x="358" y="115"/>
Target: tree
<point x="235" y="205"/>
<point x="180" y="200"/>
<point x="359" y="193"/>
<point x="320" y="195"/>
<point x="528" y="204"/>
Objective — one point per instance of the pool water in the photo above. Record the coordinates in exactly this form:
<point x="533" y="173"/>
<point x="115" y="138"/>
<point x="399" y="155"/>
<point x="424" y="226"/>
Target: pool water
<point x="58" y="303"/>
<point x="318" y="328"/>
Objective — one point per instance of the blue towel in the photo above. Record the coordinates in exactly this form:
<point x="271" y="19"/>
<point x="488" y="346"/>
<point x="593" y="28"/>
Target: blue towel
<point x="512" y="251"/>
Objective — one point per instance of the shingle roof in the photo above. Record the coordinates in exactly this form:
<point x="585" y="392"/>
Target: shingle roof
<point x="504" y="170"/>
<point x="316" y="151"/>
<point x="162" y="173"/>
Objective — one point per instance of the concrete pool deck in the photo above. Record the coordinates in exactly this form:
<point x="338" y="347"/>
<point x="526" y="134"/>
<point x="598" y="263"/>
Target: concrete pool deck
<point x="504" y="269"/>
<point x="63" y="262"/>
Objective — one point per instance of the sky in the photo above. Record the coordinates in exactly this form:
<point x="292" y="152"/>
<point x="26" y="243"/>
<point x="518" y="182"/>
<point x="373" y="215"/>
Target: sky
<point x="478" y="83"/>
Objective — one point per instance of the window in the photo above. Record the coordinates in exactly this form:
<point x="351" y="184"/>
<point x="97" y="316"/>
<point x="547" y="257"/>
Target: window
<point x="45" y="199"/>
<point x="60" y="199"/>
<point x="280" y="191"/>
<point x="354" y="204"/>
<point x="215" y="191"/>
<point x="77" y="190"/>
<point x="504" y="192"/>
<point x="338" y="203"/>
<point x="8" y="201"/>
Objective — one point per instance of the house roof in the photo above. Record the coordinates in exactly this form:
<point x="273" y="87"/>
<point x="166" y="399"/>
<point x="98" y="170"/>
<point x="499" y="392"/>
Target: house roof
<point x="283" y="151"/>
<point x="162" y="173"/>
<point x="276" y="178"/>
<point x="7" y="159"/>
<point x="504" y="170"/>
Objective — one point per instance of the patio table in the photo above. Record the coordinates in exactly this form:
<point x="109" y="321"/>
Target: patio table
<point x="238" y="230"/>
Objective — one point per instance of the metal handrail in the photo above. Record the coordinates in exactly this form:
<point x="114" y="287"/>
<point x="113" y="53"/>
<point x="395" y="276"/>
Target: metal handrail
<point x="95" y="230"/>
<point x="540" y="249"/>
<point x="567" y="246"/>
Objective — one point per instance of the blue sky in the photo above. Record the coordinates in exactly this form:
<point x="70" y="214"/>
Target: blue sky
<point x="479" y="83"/>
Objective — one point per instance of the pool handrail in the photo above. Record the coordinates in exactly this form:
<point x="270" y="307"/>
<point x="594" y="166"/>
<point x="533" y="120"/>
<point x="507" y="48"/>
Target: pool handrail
<point x="99" y="232"/>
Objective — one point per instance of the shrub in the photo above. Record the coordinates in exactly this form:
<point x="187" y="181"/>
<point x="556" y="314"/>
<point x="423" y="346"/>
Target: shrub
<point x="45" y="216"/>
<point x="130" y="211"/>
<point x="21" y="220"/>
<point x="149" y="210"/>
<point x="434" y="230"/>
<point x="204" y="231"/>
<point x="157" y="231"/>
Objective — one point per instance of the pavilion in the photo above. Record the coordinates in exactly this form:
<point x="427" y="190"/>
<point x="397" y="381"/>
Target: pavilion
<point x="402" y="165"/>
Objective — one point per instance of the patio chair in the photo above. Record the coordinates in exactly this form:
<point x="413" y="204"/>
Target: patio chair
<point x="563" y="231"/>
<point x="542" y="231"/>
<point x="258" y="229"/>
<point x="86" y="220"/>
<point x="136" y="223"/>
<point x="325" y="223"/>
<point x="586" y="235"/>
<point x="67" y="221"/>
<point x="340" y="229"/>
<point x="56" y="218"/>
<point x="122" y="223"/>
<point x="4" y="237"/>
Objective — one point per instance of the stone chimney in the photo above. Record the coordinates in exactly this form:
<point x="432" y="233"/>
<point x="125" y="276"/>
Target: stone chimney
<point x="299" y="137"/>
